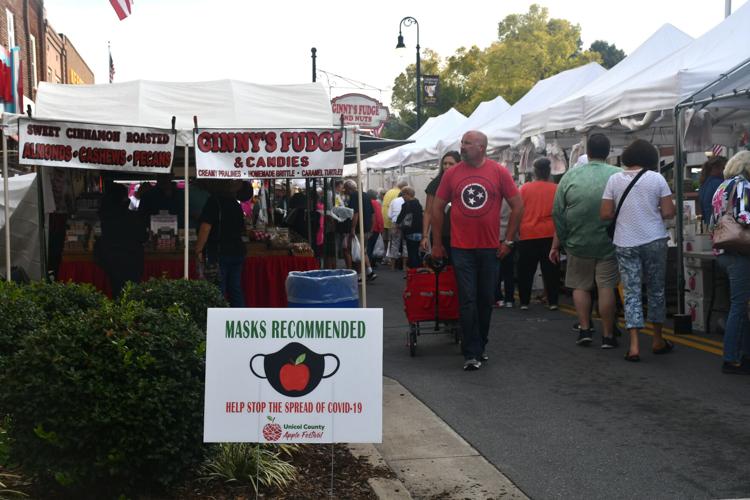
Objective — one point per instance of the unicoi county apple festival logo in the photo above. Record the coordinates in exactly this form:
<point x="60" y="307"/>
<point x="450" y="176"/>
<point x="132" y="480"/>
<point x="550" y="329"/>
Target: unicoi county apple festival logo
<point x="295" y="370"/>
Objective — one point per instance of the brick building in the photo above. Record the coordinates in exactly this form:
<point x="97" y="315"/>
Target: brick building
<point x="46" y="55"/>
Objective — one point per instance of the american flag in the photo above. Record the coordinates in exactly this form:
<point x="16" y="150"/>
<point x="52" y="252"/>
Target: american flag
<point x="717" y="149"/>
<point x="111" y="68"/>
<point x="123" y="8"/>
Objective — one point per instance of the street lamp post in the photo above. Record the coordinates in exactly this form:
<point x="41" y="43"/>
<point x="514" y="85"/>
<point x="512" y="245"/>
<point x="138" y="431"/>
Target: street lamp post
<point x="408" y="21"/>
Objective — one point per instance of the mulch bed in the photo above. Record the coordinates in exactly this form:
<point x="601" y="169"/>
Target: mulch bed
<point x="313" y="463"/>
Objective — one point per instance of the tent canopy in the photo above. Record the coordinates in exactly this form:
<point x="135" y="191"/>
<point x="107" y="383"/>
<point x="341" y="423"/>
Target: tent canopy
<point x="505" y="130"/>
<point x="220" y="104"/>
<point x="730" y="90"/>
<point x="569" y="113"/>
<point x="434" y="129"/>
<point x="667" y="82"/>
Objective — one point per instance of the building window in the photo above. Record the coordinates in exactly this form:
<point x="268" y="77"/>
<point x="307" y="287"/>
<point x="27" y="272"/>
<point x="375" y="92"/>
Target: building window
<point x="34" y="81"/>
<point x="11" y="29"/>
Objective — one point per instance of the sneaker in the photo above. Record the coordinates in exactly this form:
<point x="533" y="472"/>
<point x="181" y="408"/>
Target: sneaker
<point x="524" y="307"/>
<point x="371" y="276"/>
<point x="584" y="337"/>
<point x="484" y="358"/>
<point x="609" y="342"/>
<point x="471" y="365"/>
<point x="499" y="303"/>
<point x="553" y="307"/>
<point x="509" y="305"/>
<point x="732" y="369"/>
<point x="577" y="327"/>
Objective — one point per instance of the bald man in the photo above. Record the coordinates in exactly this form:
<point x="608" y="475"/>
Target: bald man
<point x="476" y="188"/>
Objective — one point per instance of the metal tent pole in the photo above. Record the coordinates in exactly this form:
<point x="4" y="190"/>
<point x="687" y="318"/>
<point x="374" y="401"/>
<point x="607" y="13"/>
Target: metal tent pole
<point x="362" y="242"/>
<point x="6" y="201"/>
<point x="186" y="221"/>
<point x="678" y="188"/>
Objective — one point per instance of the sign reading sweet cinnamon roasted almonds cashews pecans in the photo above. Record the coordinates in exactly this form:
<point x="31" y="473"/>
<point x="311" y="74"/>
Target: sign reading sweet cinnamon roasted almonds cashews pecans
<point x="294" y="376"/>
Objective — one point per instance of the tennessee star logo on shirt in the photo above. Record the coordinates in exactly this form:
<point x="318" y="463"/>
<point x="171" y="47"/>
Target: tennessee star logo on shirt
<point x="474" y="196"/>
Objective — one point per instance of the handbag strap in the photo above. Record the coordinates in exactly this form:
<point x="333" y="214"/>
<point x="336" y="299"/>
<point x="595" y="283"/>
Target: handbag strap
<point x="625" y="194"/>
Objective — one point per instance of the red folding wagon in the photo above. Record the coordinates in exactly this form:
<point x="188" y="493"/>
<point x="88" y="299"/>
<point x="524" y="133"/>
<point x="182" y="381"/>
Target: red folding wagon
<point x="431" y="304"/>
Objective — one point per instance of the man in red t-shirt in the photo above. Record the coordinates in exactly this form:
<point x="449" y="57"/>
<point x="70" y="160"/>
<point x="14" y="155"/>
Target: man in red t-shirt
<point x="476" y="188"/>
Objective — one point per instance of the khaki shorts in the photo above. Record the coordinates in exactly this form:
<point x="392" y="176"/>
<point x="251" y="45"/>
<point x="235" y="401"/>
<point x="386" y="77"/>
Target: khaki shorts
<point x="583" y="273"/>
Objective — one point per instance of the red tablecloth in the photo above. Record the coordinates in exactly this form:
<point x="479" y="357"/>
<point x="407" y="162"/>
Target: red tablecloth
<point x="263" y="277"/>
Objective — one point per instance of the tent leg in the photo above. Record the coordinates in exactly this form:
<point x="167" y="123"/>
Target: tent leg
<point x="42" y="225"/>
<point x="362" y="242"/>
<point x="6" y="201"/>
<point x="678" y="188"/>
<point x="186" y="217"/>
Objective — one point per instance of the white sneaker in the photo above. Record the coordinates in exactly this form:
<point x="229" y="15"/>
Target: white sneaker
<point x="499" y="303"/>
<point x="471" y="365"/>
<point x="509" y="305"/>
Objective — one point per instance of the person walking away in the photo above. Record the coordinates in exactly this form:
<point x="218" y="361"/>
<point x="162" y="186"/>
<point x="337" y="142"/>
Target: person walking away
<point x="733" y="197"/>
<point x="377" y="226"/>
<point x="449" y="159"/>
<point x="396" y="245"/>
<point x="368" y="218"/>
<point x="476" y="188"/>
<point x="583" y="235"/>
<point x="220" y="237"/>
<point x="120" y="248"/>
<point x="410" y="223"/>
<point x="506" y="286"/>
<point x="641" y="240"/>
<point x="536" y="236"/>
<point x="388" y="198"/>
<point x="712" y="175"/>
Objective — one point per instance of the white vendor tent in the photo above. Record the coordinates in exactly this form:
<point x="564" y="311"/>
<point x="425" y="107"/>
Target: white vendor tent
<point x="484" y="113"/>
<point x="435" y="128"/>
<point x="220" y="103"/>
<point x="505" y="130"/>
<point x="569" y="113"/>
<point x="24" y="224"/>
<point x="664" y="84"/>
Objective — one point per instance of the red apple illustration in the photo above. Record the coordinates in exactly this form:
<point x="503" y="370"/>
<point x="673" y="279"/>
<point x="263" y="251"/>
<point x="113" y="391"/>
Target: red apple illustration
<point x="295" y="376"/>
<point x="271" y="431"/>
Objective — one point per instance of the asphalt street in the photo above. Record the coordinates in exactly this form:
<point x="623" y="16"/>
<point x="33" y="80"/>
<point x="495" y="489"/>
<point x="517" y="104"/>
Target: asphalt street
<point x="563" y="421"/>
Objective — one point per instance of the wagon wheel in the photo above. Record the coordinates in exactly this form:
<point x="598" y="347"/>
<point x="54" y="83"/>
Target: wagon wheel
<point x="412" y="340"/>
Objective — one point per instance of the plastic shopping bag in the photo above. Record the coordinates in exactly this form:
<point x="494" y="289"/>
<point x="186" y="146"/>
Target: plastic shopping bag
<point x="356" y="249"/>
<point x="379" y="251"/>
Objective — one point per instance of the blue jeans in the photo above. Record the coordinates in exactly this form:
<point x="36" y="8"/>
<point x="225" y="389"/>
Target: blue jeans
<point x="651" y="261"/>
<point x="476" y="276"/>
<point x="231" y="279"/>
<point x="737" y="332"/>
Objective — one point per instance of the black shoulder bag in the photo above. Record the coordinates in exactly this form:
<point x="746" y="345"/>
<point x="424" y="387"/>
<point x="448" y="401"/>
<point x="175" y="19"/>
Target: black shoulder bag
<point x="613" y="224"/>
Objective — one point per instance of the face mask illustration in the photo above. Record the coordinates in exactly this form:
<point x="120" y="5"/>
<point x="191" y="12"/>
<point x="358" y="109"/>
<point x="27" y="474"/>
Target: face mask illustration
<point x="294" y="370"/>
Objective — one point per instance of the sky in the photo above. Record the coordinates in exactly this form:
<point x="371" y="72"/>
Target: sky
<point x="269" y="42"/>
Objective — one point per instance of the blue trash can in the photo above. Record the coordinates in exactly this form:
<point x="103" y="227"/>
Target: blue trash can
<point x="325" y="288"/>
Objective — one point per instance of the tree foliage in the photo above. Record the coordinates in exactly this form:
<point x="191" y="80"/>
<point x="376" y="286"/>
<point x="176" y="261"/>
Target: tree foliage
<point x="529" y="48"/>
<point x="610" y="54"/>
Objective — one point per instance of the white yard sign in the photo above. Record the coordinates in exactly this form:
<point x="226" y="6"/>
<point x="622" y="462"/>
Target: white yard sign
<point x="294" y="376"/>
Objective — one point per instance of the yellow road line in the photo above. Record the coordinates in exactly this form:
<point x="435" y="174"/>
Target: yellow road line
<point x="694" y="341"/>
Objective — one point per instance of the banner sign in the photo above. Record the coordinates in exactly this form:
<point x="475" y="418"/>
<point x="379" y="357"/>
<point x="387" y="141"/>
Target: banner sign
<point x="360" y="110"/>
<point x="294" y="376"/>
<point x="430" y="89"/>
<point x="268" y="153"/>
<point x="95" y="146"/>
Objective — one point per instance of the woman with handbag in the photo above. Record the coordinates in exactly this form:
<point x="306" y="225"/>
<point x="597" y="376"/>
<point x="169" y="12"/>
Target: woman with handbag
<point x="643" y="201"/>
<point x="729" y="225"/>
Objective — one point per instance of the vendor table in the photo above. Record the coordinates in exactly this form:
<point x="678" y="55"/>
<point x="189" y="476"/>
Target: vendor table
<point x="263" y="277"/>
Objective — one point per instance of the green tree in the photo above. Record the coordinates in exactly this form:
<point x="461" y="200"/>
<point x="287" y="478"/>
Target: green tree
<point x="530" y="47"/>
<point x="610" y="54"/>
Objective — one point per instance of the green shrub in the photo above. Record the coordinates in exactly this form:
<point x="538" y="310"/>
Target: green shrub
<point x="241" y="463"/>
<point x="194" y="296"/>
<point x="109" y="402"/>
<point x="19" y="316"/>
<point x="65" y="299"/>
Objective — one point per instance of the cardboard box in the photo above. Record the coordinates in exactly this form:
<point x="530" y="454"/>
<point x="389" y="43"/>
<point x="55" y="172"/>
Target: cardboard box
<point x="699" y="281"/>
<point x="697" y="307"/>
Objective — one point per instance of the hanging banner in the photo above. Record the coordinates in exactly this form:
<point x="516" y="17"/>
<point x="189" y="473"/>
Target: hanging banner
<point x="268" y="153"/>
<point x="95" y="146"/>
<point x="430" y="89"/>
<point x="294" y="376"/>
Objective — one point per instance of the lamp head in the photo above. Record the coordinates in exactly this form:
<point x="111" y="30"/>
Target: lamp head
<point x="400" y="44"/>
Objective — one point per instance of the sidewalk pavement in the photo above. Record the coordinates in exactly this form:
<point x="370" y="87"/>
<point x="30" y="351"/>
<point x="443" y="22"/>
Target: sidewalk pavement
<point x="429" y="458"/>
